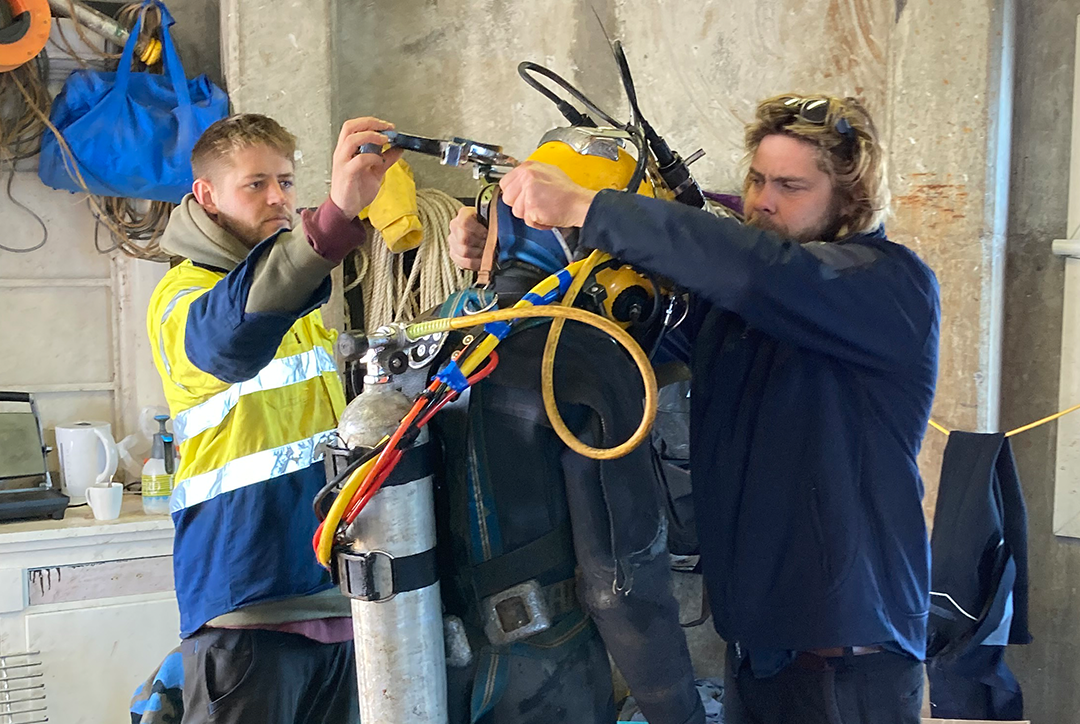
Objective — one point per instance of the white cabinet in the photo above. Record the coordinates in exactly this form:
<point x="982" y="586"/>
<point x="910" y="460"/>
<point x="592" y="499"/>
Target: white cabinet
<point x="94" y="601"/>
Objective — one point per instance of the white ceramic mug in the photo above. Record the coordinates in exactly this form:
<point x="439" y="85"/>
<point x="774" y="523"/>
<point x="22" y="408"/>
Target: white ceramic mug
<point x="105" y="499"/>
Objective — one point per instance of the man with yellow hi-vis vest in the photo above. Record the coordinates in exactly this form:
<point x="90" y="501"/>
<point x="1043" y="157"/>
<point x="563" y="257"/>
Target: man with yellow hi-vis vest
<point x="249" y="374"/>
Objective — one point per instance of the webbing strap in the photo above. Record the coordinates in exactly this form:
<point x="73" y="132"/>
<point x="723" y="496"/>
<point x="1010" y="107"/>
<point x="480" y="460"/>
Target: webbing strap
<point x="487" y="261"/>
<point x="524" y="563"/>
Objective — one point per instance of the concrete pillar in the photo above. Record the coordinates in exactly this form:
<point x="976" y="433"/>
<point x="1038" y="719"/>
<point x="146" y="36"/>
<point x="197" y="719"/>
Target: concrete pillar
<point x="949" y="120"/>
<point x="276" y="61"/>
<point x="1046" y="50"/>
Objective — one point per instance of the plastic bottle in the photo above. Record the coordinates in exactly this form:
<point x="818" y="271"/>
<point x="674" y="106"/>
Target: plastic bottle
<point x="157" y="472"/>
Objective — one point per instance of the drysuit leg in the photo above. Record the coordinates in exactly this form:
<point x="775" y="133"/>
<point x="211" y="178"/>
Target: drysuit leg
<point x="631" y="601"/>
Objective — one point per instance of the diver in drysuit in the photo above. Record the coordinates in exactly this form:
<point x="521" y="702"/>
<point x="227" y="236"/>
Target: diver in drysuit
<point x="532" y="530"/>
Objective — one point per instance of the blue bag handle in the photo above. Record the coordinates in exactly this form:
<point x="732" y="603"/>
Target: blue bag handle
<point x="173" y="68"/>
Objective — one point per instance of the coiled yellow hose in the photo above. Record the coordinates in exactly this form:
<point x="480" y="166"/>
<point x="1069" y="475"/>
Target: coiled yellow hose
<point x="562" y="313"/>
<point x="547" y="376"/>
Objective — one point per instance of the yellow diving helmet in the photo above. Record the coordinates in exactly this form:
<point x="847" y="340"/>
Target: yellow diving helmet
<point x="592" y="157"/>
<point x="596" y="159"/>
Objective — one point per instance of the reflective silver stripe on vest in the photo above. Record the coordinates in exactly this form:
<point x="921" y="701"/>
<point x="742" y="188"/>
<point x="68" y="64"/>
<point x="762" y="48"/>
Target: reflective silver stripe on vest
<point x="161" y="337"/>
<point x="278" y="373"/>
<point x="250" y="470"/>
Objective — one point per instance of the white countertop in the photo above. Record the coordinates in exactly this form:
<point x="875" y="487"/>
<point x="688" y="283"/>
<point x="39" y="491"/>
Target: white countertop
<point x="80" y="525"/>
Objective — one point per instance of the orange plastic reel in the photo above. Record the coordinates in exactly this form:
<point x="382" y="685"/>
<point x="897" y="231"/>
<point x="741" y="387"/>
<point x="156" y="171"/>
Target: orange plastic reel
<point x="21" y="41"/>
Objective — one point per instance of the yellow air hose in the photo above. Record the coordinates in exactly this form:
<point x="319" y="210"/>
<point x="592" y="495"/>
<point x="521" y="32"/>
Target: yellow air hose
<point x="550" y="284"/>
<point x="559" y="314"/>
<point x="337" y="510"/>
<point x="547" y="377"/>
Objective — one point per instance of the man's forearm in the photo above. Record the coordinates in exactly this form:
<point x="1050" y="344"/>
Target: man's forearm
<point x="287" y="275"/>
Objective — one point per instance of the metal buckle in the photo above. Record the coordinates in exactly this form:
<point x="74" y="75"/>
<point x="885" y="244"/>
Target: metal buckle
<point x="359" y="578"/>
<point x="516" y="613"/>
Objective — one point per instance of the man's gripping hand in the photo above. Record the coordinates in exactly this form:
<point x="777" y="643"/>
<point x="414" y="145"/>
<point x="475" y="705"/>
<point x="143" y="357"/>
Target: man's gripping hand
<point x="545" y="197"/>
<point x="467" y="239"/>
<point x="355" y="177"/>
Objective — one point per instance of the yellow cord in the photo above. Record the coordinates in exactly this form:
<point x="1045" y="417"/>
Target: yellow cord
<point x="1024" y="428"/>
<point x="1049" y="418"/>
<point x="938" y="427"/>
<point x="578" y="315"/>
<point x="484" y="349"/>
<point x="337" y="510"/>
<point x="547" y="376"/>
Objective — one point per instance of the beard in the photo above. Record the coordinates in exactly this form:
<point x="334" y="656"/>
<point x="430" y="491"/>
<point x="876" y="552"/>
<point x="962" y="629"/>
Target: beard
<point x="765" y="223"/>
<point x="825" y="229"/>
<point x="248" y="234"/>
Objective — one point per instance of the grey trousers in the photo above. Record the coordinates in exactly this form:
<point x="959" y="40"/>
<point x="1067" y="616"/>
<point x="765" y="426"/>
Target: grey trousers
<point x="251" y="676"/>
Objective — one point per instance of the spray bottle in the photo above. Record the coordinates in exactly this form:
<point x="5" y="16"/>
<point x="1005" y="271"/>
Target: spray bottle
<point x="157" y="472"/>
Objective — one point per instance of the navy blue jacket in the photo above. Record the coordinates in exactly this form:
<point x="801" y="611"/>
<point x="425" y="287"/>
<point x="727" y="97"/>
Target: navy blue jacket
<point x="813" y="370"/>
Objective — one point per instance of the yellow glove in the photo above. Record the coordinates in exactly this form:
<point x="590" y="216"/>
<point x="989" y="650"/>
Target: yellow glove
<point x="394" y="212"/>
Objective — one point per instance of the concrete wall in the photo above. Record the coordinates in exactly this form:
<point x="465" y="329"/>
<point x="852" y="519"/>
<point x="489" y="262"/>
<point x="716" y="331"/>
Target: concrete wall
<point x="1046" y="39"/>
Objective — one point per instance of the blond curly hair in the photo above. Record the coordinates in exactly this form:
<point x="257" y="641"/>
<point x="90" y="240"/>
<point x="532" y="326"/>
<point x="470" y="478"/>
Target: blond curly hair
<point x="849" y="151"/>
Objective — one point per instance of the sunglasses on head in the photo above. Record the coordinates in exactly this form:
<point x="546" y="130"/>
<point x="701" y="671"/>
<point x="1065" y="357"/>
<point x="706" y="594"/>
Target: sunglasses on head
<point x="816" y="111"/>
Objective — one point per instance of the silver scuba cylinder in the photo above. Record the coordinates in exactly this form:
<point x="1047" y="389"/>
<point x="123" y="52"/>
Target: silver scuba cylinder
<point x="389" y="569"/>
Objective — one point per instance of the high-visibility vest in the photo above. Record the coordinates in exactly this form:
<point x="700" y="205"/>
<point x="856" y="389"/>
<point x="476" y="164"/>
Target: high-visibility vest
<point x="250" y="455"/>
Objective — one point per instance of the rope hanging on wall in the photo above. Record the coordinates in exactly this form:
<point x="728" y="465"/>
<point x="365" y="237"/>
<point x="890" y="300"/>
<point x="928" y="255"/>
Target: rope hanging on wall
<point x="392" y="290"/>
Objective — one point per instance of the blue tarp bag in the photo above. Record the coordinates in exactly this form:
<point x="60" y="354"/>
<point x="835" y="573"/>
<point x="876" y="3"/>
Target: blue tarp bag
<point x="131" y="133"/>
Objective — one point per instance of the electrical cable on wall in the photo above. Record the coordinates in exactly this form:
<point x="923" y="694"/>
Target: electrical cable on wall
<point x="27" y="209"/>
<point x="134" y="226"/>
<point x="20" y="128"/>
<point x="392" y="289"/>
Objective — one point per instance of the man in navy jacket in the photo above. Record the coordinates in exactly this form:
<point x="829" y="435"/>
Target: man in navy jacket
<point x="814" y="358"/>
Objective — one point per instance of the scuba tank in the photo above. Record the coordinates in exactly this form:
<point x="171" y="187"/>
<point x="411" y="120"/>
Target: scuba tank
<point x="388" y="569"/>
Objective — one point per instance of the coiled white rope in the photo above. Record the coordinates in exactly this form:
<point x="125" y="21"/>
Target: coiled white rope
<point x="391" y="294"/>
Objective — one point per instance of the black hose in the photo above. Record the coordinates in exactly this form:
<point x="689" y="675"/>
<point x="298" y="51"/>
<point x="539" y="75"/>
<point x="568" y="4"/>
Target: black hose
<point x="628" y="83"/>
<point x="568" y="111"/>
<point x="657" y="342"/>
<point x="643" y="155"/>
<point x="637" y="124"/>
<point x="634" y="128"/>
<point x="316" y="504"/>
<point x="657" y="294"/>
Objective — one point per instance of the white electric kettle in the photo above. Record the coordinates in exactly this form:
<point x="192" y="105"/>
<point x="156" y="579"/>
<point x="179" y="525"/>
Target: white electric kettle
<point x="88" y="455"/>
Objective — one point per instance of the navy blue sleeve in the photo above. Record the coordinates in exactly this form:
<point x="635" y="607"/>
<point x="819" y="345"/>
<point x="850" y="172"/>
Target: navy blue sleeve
<point x="229" y="343"/>
<point x="869" y="302"/>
